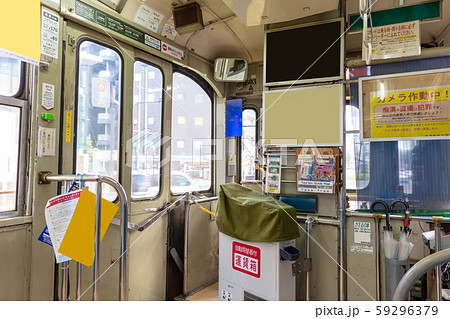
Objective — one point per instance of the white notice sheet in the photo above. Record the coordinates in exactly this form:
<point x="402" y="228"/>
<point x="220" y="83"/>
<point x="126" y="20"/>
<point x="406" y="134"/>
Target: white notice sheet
<point x="58" y="213"/>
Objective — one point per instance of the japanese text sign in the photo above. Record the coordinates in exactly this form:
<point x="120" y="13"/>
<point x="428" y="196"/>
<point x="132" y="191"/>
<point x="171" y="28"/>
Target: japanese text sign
<point x="247" y="259"/>
<point x="406" y="106"/>
<point x="395" y="40"/>
<point x="412" y="113"/>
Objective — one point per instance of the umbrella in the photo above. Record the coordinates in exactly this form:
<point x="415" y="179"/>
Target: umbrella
<point x="390" y="244"/>
<point x="404" y="246"/>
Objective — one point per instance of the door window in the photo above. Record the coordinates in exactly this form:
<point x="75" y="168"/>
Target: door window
<point x="98" y="112"/>
<point x="147" y="116"/>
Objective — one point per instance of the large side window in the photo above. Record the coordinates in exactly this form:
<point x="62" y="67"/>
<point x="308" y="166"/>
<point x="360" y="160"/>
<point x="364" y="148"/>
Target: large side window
<point x="98" y="112"/>
<point x="249" y="139"/>
<point x="147" y="116"/>
<point x="10" y="76"/>
<point x="191" y="143"/>
<point x="13" y="137"/>
<point x="9" y="157"/>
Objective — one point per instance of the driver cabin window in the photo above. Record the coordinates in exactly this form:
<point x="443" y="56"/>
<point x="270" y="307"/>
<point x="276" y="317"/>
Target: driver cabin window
<point x="191" y="143"/>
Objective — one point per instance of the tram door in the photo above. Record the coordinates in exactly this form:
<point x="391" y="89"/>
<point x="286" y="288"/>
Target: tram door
<point x="115" y="108"/>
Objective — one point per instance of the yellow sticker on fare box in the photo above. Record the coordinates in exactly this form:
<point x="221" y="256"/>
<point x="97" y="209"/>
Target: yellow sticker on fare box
<point x="413" y="113"/>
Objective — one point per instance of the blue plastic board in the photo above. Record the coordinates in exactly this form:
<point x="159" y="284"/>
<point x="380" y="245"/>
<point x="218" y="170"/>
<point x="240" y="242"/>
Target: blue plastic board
<point x="233" y="124"/>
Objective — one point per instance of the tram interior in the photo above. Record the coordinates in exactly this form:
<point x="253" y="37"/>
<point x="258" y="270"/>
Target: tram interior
<point x="251" y="150"/>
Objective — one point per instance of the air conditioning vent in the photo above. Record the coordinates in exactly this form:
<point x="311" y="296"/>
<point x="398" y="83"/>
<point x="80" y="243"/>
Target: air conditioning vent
<point x="188" y="18"/>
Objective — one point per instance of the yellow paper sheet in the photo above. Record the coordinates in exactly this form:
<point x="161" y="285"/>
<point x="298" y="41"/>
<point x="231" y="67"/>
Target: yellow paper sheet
<point x="78" y="242"/>
<point x="20" y="22"/>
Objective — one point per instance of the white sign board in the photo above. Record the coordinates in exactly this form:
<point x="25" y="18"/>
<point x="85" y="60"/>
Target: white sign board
<point x="49" y="33"/>
<point x="101" y="92"/>
<point x="172" y="51"/>
<point x="361" y="232"/>
<point x="395" y="40"/>
<point x="361" y="249"/>
<point x="148" y="18"/>
<point x="46" y="141"/>
<point x="48" y="96"/>
<point x="152" y="42"/>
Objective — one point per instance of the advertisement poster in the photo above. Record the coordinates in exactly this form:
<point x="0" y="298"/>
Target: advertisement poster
<point x="58" y="213"/>
<point x="316" y="174"/>
<point x="412" y="113"/>
<point x="273" y="174"/>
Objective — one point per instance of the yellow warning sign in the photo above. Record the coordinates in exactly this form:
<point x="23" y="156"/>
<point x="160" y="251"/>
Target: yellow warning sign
<point x="412" y="113"/>
<point x="68" y="126"/>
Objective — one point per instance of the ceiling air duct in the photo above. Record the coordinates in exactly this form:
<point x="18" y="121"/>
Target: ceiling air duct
<point x="188" y="18"/>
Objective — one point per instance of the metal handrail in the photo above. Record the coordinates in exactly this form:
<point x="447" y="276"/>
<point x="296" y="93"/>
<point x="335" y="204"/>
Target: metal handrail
<point x="46" y="178"/>
<point x="147" y="223"/>
<point x="420" y="268"/>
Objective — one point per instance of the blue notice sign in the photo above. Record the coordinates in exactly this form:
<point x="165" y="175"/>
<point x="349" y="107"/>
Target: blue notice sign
<point x="233" y="124"/>
<point x="45" y="237"/>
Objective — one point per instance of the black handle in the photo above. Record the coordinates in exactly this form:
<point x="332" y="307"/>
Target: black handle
<point x="399" y="201"/>
<point x="386" y="209"/>
<point x="406" y="220"/>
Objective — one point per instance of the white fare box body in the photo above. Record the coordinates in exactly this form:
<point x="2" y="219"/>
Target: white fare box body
<point x="254" y="270"/>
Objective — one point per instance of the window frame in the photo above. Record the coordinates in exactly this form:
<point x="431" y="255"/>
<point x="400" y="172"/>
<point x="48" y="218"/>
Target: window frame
<point x="160" y="191"/>
<point x="75" y="111"/>
<point x="210" y="94"/>
<point x="253" y="108"/>
<point x="21" y="88"/>
<point x="353" y="191"/>
<point x="23" y="153"/>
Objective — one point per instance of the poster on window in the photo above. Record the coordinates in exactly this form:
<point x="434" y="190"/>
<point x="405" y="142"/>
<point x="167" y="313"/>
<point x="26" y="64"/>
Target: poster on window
<point x="406" y="107"/>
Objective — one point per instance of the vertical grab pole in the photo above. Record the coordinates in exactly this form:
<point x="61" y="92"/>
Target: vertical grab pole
<point x="98" y="219"/>
<point x="437" y="239"/>
<point x="79" y="281"/>
<point x="377" y="242"/>
<point x="123" y="244"/>
<point x="65" y="265"/>
<point x="186" y="236"/>
<point x="308" y="224"/>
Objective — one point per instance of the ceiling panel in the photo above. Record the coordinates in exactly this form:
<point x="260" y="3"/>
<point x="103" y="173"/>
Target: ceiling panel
<point x="258" y="12"/>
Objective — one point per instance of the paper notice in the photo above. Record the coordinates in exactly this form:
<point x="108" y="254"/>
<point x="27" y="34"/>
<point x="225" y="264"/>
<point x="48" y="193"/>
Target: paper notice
<point x="48" y="96"/>
<point x="46" y="141"/>
<point x="58" y="213"/>
<point x="168" y="30"/>
<point x="148" y="18"/>
<point x="362" y="232"/>
<point x="49" y="33"/>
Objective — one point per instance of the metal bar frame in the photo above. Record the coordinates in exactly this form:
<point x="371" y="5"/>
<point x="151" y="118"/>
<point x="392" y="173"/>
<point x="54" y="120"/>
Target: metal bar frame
<point x="48" y="178"/>
<point x="424" y="265"/>
<point x="186" y="237"/>
<point x="437" y="239"/>
<point x="437" y="220"/>
<point x="308" y="224"/>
